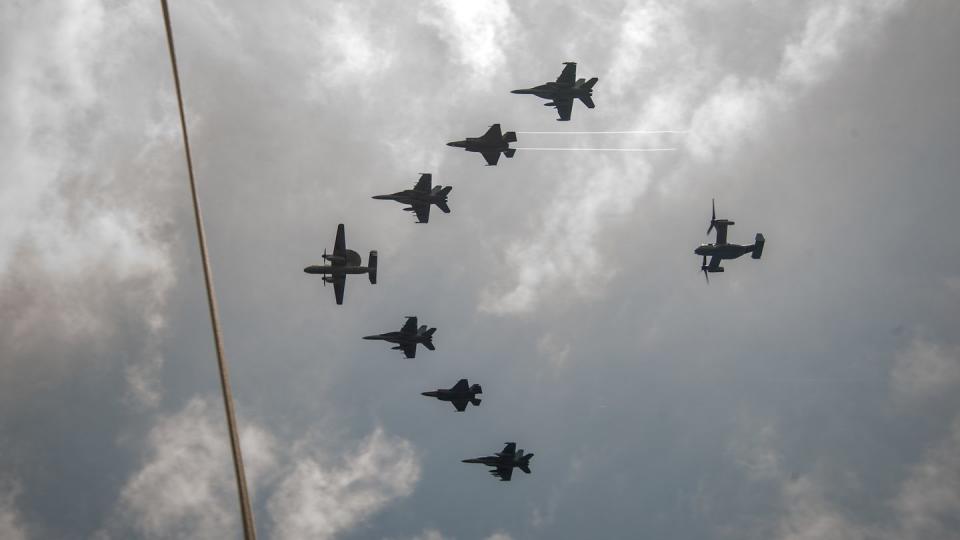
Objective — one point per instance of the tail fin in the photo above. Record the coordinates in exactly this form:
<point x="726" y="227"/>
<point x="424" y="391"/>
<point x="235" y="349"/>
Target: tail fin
<point x="430" y="332"/>
<point x="590" y="83"/>
<point x="510" y="136"/>
<point x="429" y="345"/>
<point x="758" y="246"/>
<point x="509" y="152"/>
<point x="446" y="191"/>
<point x="372" y="272"/>
<point x="443" y="206"/>
<point x="525" y="463"/>
<point x="476" y="402"/>
<point x="588" y="101"/>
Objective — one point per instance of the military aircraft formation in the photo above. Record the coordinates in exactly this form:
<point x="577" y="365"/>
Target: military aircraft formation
<point x="419" y="200"/>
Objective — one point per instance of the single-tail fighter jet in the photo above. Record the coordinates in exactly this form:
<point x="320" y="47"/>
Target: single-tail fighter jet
<point x="722" y="250"/>
<point x="504" y="462"/>
<point x="562" y="93"/>
<point x="409" y="337"/>
<point x="491" y="144"/>
<point x="421" y="197"/>
<point x="460" y="394"/>
<point x="343" y="261"/>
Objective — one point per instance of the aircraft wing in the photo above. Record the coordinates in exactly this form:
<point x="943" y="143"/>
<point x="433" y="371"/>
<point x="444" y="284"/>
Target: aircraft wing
<point x="569" y="73"/>
<point x="340" y="244"/>
<point x="409" y="327"/>
<point x="564" y="108"/>
<point x="493" y="133"/>
<point x="339" y="283"/>
<point x="423" y="212"/>
<point x="461" y="385"/>
<point x="491" y="157"/>
<point x="503" y="473"/>
<point x="409" y="350"/>
<point x="510" y="448"/>
<point x="721" y="233"/>
<point x="460" y="404"/>
<point x="425" y="183"/>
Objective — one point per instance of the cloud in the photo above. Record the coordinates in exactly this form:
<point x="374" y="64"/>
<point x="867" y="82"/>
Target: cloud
<point x="11" y="524"/>
<point x="478" y="33"/>
<point x="701" y="91"/>
<point x="81" y="216"/>
<point x="186" y="487"/>
<point x="925" y="369"/>
<point x="319" y="499"/>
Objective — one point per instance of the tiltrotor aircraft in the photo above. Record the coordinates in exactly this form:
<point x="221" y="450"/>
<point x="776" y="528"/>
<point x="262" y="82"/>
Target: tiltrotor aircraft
<point x="721" y="250"/>
<point x="562" y="93"/>
<point x="460" y="394"/>
<point x="491" y="144"/>
<point x="504" y="462"/>
<point x="343" y="262"/>
<point x="408" y="337"/>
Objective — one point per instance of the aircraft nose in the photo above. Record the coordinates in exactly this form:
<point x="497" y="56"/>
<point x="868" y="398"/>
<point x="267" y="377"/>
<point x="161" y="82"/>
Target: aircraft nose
<point x="380" y="197"/>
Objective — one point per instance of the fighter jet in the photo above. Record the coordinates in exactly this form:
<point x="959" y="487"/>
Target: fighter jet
<point x="343" y="261"/>
<point x="504" y="462"/>
<point x="421" y="197"/>
<point x="722" y="250"/>
<point x="491" y="144"/>
<point x="461" y="394"/>
<point x="562" y="93"/>
<point x="408" y="337"/>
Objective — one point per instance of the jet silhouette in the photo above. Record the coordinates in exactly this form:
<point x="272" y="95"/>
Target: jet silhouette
<point x="504" y="462"/>
<point x="408" y="338"/>
<point x="491" y="144"/>
<point x="421" y="197"/>
<point x="460" y="394"/>
<point x="562" y="93"/>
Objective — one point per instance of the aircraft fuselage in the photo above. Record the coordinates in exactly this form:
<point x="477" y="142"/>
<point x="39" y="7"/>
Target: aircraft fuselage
<point x="554" y="90"/>
<point x="335" y="270"/>
<point x="476" y="144"/>
<point x="410" y="196"/>
<point x="724" y="251"/>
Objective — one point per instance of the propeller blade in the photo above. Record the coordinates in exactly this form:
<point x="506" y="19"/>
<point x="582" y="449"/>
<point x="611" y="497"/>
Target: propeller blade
<point x="703" y="267"/>
<point x="713" y="215"/>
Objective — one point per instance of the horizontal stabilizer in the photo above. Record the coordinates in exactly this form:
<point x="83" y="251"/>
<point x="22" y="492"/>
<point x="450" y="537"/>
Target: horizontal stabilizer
<point x="443" y="207"/>
<point x="588" y="101"/>
<point x="476" y="402"/>
<point x="758" y="246"/>
<point x="509" y="152"/>
<point x="591" y="82"/>
<point x="429" y="345"/>
<point x="510" y="136"/>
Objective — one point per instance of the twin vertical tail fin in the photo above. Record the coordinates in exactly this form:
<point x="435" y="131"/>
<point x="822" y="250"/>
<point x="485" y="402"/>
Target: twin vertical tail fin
<point x="590" y="83"/>
<point x="758" y="246"/>
<point x="372" y="267"/>
<point x="510" y="136"/>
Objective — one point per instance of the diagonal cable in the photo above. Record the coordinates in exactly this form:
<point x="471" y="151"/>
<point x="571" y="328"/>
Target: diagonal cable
<point x="249" y="531"/>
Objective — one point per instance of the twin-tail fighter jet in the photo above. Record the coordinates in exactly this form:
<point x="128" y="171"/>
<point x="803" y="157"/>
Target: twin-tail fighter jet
<point x="343" y="261"/>
<point x="491" y="144"/>
<point x="460" y="394"/>
<point x="504" y="462"/>
<point x="408" y="337"/>
<point x="562" y="93"/>
<point x="721" y="249"/>
<point x="421" y="197"/>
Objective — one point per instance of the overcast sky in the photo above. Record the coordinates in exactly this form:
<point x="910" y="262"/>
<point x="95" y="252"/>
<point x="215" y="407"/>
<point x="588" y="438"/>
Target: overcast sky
<point x="814" y="394"/>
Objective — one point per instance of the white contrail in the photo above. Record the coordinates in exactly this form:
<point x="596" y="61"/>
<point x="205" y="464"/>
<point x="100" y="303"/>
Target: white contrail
<point x="645" y="132"/>
<point x="605" y="149"/>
